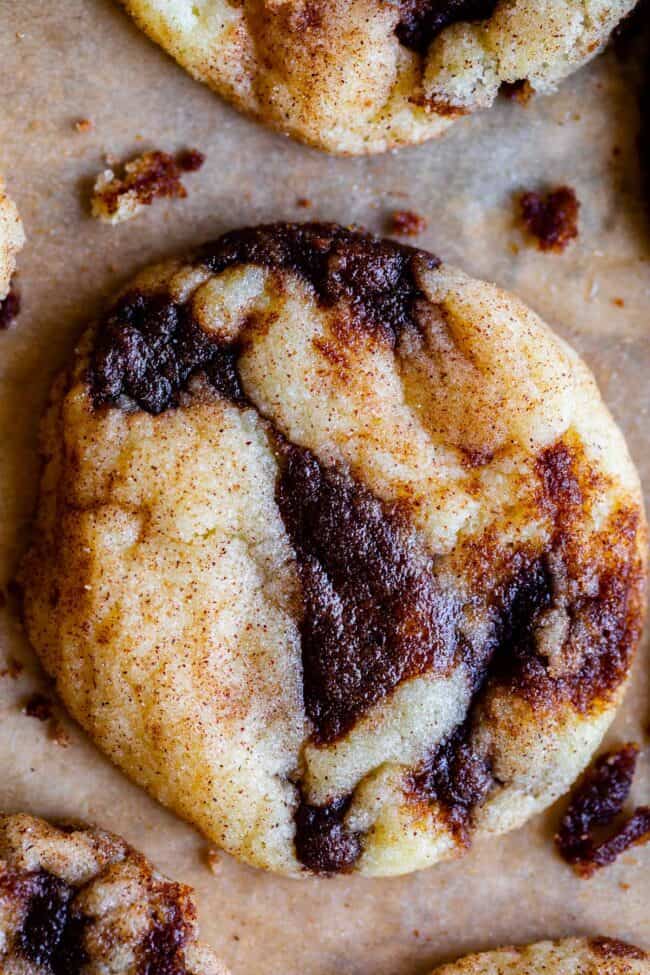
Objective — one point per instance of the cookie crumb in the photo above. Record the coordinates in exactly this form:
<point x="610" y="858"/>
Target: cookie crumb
<point x="213" y="860"/>
<point x="58" y="734"/>
<point x="303" y="202"/>
<point x="551" y="218"/>
<point x="407" y="223"/>
<point x="190" y="160"/>
<point x="83" y="125"/>
<point x="38" y="706"/>
<point x="619" y="302"/>
<point x="13" y="669"/>
<point x="520" y="91"/>
<point x="151" y="175"/>
<point x="596" y="803"/>
<point x="9" y="307"/>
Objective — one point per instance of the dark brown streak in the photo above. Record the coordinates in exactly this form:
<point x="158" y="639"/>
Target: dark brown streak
<point x="596" y="803"/>
<point x="373" y="612"/>
<point x="149" y="346"/>
<point x="51" y="935"/>
<point x="323" y="844"/>
<point x="422" y="20"/>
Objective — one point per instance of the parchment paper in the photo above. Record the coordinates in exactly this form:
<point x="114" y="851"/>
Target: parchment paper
<point x="71" y="59"/>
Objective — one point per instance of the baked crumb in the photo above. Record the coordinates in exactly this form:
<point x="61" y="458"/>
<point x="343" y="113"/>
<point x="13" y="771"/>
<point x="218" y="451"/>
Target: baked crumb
<point x="213" y="860"/>
<point x="38" y="706"/>
<point x="9" y="307"/>
<point x="596" y="803"/>
<point x="151" y="175"/>
<point x="619" y="302"/>
<point x="303" y="202"/>
<point x="407" y="223"/>
<point x="551" y="218"/>
<point x="190" y="160"/>
<point x="58" y="734"/>
<point x="83" y="125"/>
<point x="519" y="91"/>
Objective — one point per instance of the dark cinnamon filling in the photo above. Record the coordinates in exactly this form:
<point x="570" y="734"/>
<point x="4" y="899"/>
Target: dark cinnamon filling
<point x="422" y="20"/>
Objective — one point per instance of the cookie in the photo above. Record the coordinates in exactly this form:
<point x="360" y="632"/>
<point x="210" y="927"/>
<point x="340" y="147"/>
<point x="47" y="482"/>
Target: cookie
<point x="356" y="76"/>
<point x="573" y="956"/>
<point x="80" y="901"/>
<point x="12" y="239"/>
<point x="338" y="552"/>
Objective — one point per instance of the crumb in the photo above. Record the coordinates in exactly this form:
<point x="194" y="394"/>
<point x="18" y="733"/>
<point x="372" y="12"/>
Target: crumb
<point x="213" y="860"/>
<point x="520" y="91"/>
<point x="190" y="160"/>
<point x="551" y="218"/>
<point x="623" y="885"/>
<point x="514" y="248"/>
<point x="38" y="706"/>
<point x="303" y="202"/>
<point x="83" y="125"/>
<point x="407" y="223"/>
<point x="596" y="803"/>
<point x="58" y="734"/>
<point x="618" y="302"/>
<point x="151" y="175"/>
<point x="235" y="937"/>
<point x="9" y="307"/>
<point x="13" y="669"/>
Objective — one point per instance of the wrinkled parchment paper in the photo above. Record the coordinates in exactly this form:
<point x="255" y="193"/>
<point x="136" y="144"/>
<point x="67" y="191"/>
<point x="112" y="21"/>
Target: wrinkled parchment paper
<point x="73" y="59"/>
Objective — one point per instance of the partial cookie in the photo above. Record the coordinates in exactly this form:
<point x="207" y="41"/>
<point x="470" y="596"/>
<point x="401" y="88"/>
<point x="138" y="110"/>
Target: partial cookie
<point x="573" y="956"/>
<point x="339" y="552"/>
<point x="12" y="239"/>
<point x="355" y="76"/>
<point x="80" y="901"/>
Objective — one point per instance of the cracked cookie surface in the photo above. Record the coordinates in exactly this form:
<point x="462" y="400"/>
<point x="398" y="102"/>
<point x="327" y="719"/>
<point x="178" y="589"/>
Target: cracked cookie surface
<point x="572" y="956"/>
<point x="338" y="552"/>
<point x="355" y="76"/>
<point x="80" y="901"/>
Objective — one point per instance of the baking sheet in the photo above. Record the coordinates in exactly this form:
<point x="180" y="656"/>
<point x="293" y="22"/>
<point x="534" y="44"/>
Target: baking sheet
<point x="76" y="59"/>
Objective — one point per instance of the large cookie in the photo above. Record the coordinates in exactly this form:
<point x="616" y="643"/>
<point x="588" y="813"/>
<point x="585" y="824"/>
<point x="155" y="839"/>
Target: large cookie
<point x="11" y="239"/>
<point x="79" y="901"/>
<point x="355" y="76"/>
<point x="573" y="956"/>
<point x="339" y="552"/>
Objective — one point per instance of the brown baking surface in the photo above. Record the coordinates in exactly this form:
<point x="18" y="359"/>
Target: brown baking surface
<point x="83" y="59"/>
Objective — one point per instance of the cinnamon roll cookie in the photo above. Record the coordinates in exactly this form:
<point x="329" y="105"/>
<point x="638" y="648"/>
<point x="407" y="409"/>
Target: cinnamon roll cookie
<point x="355" y="76"/>
<point x="573" y="956"/>
<point x="339" y="552"/>
<point x="80" y="901"/>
